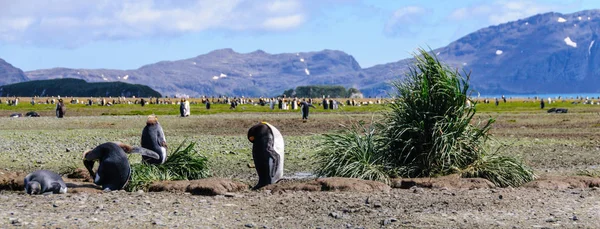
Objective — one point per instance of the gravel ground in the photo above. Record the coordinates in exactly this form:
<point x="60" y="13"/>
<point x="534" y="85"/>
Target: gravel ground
<point x="415" y="207"/>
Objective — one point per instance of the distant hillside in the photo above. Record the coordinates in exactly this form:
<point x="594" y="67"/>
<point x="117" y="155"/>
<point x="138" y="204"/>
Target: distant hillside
<point x="226" y="72"/>
<point x="545" y="53"/>
<point x="77" y="88"/>
<point x="9" y="74"/>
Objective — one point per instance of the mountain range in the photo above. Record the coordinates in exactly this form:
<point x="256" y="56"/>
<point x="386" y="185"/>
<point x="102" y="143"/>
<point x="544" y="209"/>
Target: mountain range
<point x="545" y="53"/>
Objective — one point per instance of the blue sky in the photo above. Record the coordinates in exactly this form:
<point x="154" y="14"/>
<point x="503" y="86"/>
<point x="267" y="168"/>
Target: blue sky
<point x="126" y="34"/>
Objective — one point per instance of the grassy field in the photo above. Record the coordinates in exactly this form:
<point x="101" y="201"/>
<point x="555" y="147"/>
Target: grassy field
<point x="552" y="143"/>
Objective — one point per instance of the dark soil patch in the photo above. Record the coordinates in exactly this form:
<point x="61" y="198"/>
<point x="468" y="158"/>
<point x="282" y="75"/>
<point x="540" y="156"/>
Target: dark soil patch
<point x="330" y="184"/>
<point x="206" y="187"/>
<point x="450" y="182"/>
<point x="12" y="181"/>
<point x="81" y="174"/>
<point x="79" y="186"/>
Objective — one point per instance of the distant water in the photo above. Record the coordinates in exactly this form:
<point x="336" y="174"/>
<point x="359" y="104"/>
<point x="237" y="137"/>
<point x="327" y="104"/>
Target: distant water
<point x="531" y="96"/>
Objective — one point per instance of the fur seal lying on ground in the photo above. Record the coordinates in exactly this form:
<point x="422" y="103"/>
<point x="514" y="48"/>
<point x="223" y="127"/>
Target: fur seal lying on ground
<point x="44" y="181"/>
<point x="267" y="152"/>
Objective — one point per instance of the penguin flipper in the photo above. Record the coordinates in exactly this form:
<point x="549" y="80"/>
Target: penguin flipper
<point x="145" y="152"/>
<point x="275" y="157"/>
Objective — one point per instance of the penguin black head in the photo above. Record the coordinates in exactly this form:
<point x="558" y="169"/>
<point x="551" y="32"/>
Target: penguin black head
<point x="257" y="131"/>
<point x="34" y="188"/>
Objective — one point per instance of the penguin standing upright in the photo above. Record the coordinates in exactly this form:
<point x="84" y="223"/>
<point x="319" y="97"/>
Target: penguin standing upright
<point x="114" y="170"/>
<point x="182" y="108"/>
<point x="153" y="138"/>
<point x="44" y="181"/>
<point x="60" y="109"/>
<point x="267" y="153"/>
<point x="304" y="107"/>
<point x="186" y="105"/>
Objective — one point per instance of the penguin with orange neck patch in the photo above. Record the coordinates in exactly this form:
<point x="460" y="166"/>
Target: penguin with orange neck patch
<point x="114" y="170"/>
<point x="267" y="153"/>
<point x="153" y="138"/>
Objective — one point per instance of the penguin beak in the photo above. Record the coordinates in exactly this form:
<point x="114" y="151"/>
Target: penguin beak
<point x="251" y="138"/>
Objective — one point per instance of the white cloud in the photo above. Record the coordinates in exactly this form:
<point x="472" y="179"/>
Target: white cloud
<point x="281" y="23"/>
<point x="403" y="19"/>
<point x="503" y="11"/>
<point x="69" y="22"/>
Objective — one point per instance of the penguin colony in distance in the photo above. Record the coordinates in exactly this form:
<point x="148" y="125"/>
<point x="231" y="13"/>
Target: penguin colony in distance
<point x="114" y="170"/>
<point x="267" y="153"/>
<point x="153" y="138"/>
<point x="44" y="182"/>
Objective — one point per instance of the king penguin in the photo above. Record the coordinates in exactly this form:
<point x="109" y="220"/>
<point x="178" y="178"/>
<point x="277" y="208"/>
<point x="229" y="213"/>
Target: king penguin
<point x="44" y="181"/>
<point x="153" y="138"/>
<point x="114" y="170"/>
<point x="267" y="152"/>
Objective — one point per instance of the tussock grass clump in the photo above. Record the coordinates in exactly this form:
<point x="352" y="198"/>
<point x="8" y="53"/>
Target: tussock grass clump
<point x="183" y="164"/>
<point x="503" y="171"/>
<point x="427" y="132"/>
<point x="355" y="152"/>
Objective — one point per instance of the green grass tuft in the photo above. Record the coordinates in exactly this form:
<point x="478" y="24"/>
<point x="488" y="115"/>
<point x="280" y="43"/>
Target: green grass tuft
<point x="355" y="153"/>
<point x="503" y="171"/>
<point x="183" y="164"/>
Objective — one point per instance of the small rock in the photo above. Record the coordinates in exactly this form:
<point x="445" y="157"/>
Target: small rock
<point x="377" y="205"/>
<point x="500" y="197"/>
<point x="335" y="215"/>
<point x="15" y="221"/>
<point x="55" y="205"/>
<point x="68" y="150"/>
<point x="551" y="220"/>
<point x="250" y="165"/>
<point x="249" y="225"/>
<point x="231" y="194"/>
<point x="416" y="189"/>
<point x="386" y="222"/>
<point x="158" y="222"/>
<point x="574" y="218"/>
<point x="140" y="191"/>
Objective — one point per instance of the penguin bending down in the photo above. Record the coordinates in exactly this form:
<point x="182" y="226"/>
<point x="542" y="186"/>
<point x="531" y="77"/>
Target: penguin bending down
<point x="44" y="181"/>
<point x="267" y="152"/>
<point x="114" y="170"/>
<point x="153" y="138"/>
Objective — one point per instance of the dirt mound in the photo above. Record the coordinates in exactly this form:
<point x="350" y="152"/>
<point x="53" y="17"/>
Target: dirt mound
<point x="564" y="182"/>
<point x="13" y="181"/>
<point x="451" y="182"/>
<point x="79" y="186"/>
<point x="331" y="184"/>
<point x="81" y="174"/>
<point x="207" y="187"/>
